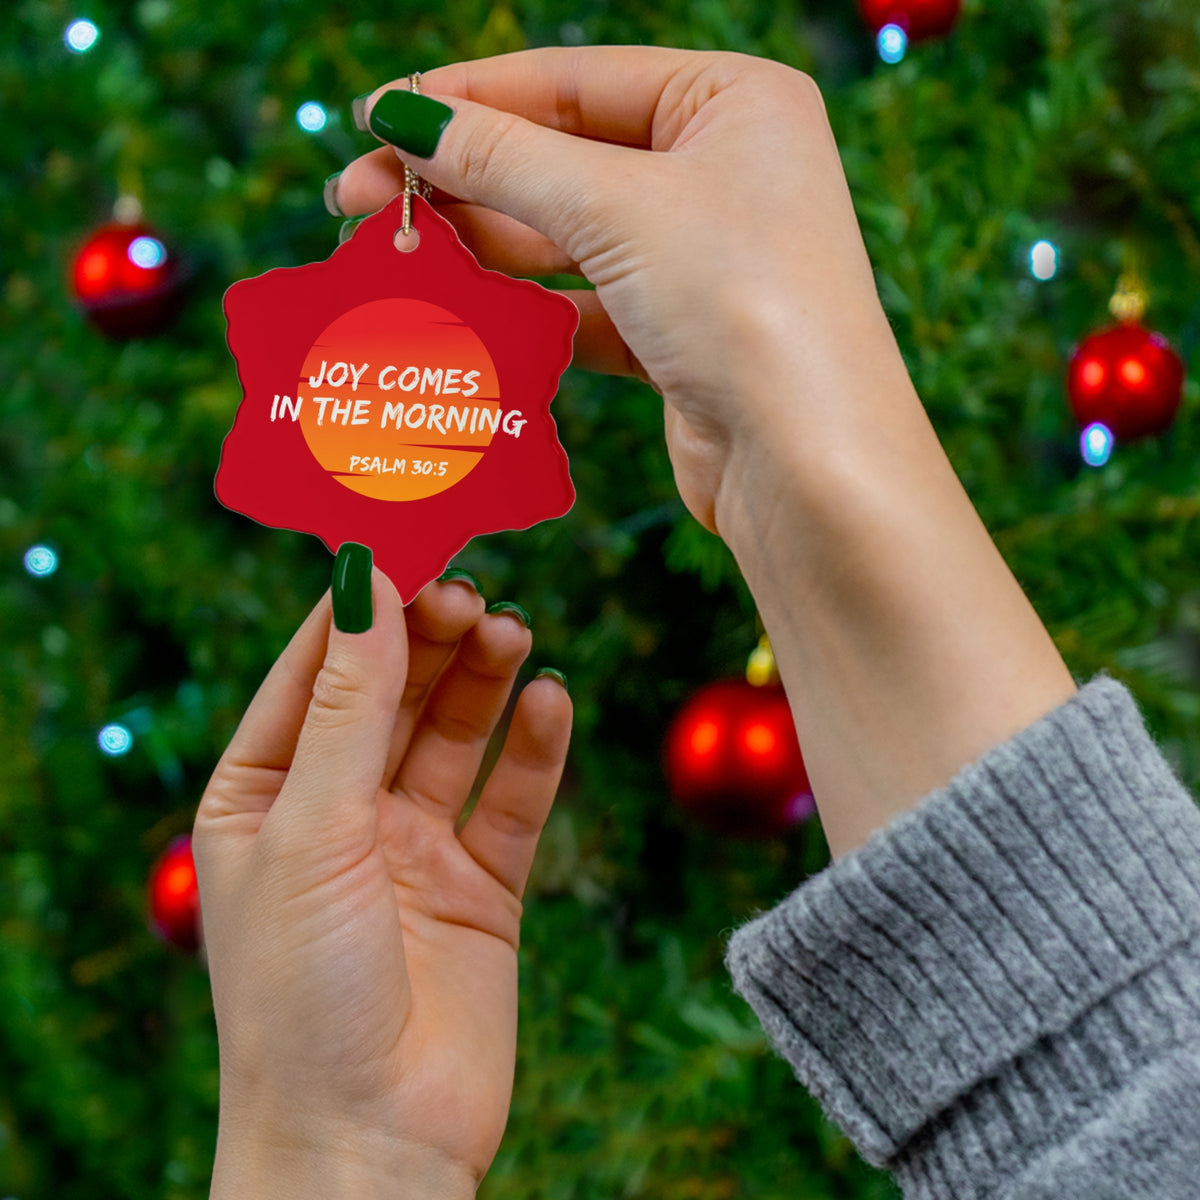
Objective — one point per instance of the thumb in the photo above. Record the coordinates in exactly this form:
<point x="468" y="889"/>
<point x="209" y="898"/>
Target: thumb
<point x="338" y="766"/>
<point x="546" y="179"/>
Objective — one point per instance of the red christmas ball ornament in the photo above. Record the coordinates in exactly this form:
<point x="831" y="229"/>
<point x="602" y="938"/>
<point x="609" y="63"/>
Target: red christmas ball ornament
<point x="1128" y="379"/>
<point x="127" y="281"/>
<point x="175" y="896"/>
<point x="733" y="761"/>
<point x="919" y="19"/>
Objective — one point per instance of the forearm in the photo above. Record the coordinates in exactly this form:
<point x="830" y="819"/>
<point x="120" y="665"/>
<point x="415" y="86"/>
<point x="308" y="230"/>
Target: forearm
<point x="905" y="644"/>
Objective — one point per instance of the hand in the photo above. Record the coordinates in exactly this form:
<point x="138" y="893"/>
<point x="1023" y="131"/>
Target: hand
<point x="704" y="197"/>
<point x="735" y="241"/>
<point x="363" y="953"/>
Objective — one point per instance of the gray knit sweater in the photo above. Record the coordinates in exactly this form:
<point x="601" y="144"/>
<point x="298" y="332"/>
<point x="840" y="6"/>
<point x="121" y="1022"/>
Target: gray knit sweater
<point x="998" y="996"/>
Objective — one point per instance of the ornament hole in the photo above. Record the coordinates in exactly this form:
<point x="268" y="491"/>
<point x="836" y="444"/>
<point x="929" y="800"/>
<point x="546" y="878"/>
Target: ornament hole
<point x="406" y="243"/>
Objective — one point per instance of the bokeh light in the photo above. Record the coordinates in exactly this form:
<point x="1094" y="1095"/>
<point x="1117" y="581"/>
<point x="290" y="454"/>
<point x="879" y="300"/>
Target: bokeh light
<point x="1096" y="444"/>
<point x="892" y="43"/>
<point x="147" y="252"/>
<point x="115" y="740"/>
<point x="41" y="561"/>
<point x="81" y="36"/>
<point x="311" y="117"/>
<point x="1043" y="260"/>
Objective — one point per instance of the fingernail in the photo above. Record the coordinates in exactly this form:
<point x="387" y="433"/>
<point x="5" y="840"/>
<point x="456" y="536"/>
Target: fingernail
<point x="346" y="232"/>
<point x="352" y="611"/>
<point x="557" y="676"/>
<point x="329" y="195"/>
<point x="513" y="609"/>
<point x="457" y="573"/>
<point x="410" y="121"/>
<point x="358" y="110"/>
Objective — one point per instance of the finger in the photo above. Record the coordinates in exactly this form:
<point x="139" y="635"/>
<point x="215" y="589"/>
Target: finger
<point x="607" y="93"/>
<point x="503" y="244"/>
<point x="251" y="770"/>
<point x="502" y="832"/>
<point x="542" y="178"/>
<point x="437" y="620"/>
<point x="255" y="763"/>
<point x="330" y="794"/>
<point x="460" y="714"/>
<point x="365" y="185"/>
<point x="496" y="240"/>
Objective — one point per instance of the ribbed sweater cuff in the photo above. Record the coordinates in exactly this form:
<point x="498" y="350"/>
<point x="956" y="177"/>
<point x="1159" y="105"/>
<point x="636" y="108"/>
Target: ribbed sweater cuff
<point x="994" y="960"/>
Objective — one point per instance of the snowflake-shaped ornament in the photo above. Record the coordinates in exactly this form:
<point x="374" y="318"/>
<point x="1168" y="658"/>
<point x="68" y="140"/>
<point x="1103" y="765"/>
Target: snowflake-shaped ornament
<point x="401" y="400"/>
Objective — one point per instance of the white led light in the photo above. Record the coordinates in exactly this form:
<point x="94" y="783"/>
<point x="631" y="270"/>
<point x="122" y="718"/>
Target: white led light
<point x="1096" y="444"/>
<point x="115" y="740"/>
<point x="41" y="561"/>
<point x="147" y="253"/>
<point x="892" y="43"/>
<point x="1043" y="260"/>
<point x="81" y="36"/>
<point x="311" y="117"/>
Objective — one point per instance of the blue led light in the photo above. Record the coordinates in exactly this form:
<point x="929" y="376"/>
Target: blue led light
<point x="892" y="43"/>
<point x="311" y="117"/>
<point x="81" y="36"/>
<point x="147" y="253"/>
<point x="1096" y="444"/>
<point x="1043" y="260"/>
<point x="115" y="740"/>
<point x="41" y="561"/>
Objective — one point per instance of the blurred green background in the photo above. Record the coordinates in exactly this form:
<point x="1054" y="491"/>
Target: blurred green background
<point x="640" y="1073"/>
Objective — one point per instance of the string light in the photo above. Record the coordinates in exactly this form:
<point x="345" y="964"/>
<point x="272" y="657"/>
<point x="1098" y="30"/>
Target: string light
<point x="41" y="561"/>
<point x="311" y="117"/>
<point x="1043" y="260"/>
<point x="81" y="36"/>
<point x="115" y="740"/>
<point x="892" y="43"/>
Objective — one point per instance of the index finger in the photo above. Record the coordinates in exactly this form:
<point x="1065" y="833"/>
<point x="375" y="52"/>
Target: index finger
<point x="607" y="93"/>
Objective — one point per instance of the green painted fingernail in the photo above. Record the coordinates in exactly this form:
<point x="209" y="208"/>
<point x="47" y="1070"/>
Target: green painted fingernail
<point x="352" y="610"/>
<point x="513" y="608"/>
<point x="329" y="195"/>
<point x="410" y="121"/>
<point x="457" y="573"/>
<point x="346" y="232"/>
<point x="556" y="675"/>
<point x="358" y="110"/>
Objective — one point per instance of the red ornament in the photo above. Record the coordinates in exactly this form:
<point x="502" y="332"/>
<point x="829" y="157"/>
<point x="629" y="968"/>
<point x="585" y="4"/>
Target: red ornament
<point x="175" y="896"/>
<point x="127" y="281"/>
<point x="919" y="19"/>
<point x="1127" y="378"/>
<point x="401" y="400"/>
<point x="733" y="761"/>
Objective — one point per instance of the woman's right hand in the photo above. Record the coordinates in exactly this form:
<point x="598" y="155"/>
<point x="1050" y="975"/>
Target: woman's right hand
<point x="703" y="195"/>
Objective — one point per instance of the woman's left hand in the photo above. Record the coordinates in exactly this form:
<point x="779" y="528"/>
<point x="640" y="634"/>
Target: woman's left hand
<point x="362" y="947"/>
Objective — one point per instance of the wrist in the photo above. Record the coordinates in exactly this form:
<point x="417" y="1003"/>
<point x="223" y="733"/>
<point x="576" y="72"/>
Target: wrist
<point x="314" y="1160"/>
<point x="824" y="412"/>
<point x="905" y="644"/>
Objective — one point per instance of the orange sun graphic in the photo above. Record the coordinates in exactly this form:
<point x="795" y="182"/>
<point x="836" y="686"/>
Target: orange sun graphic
<point x="401" y="400"/>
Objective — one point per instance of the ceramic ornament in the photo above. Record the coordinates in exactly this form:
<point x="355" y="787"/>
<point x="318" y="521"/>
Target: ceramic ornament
<point x="397" y="399"/>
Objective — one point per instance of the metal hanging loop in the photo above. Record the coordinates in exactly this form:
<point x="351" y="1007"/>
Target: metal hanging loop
<point x="412" y="181"/>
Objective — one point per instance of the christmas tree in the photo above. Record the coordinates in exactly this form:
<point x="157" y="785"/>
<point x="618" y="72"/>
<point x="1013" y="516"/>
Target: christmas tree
<point x="139" y="616"/>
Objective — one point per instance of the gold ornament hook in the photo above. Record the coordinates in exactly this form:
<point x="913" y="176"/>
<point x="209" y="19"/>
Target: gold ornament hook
<point x="412" y="181"/>
<point x="761" y="669"/>
<point x="1129" y="301"/>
